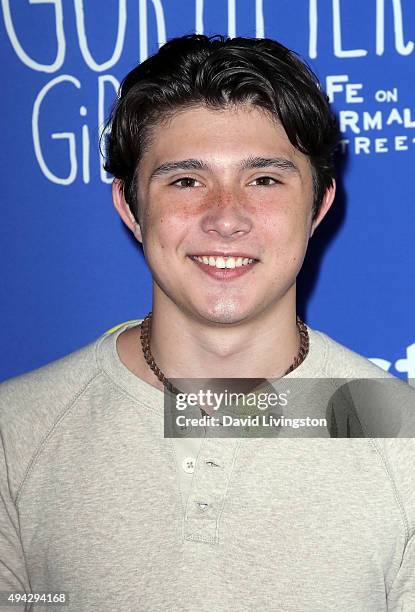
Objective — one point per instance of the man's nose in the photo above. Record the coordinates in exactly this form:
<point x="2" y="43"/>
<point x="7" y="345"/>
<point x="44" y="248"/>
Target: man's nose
<point x="227" y="215"/>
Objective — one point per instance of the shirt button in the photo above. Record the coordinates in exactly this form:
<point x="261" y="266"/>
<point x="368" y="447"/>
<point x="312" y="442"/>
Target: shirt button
<point x="188" y="465"/>
<point x="202" y="506"/>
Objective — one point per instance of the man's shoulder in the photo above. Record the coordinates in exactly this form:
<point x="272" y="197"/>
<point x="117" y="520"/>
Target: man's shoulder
<point x="342" y="362"/>
<point x="396" y="453"/>
<point x="32" y="403"/>
<point x="54" y="383"/>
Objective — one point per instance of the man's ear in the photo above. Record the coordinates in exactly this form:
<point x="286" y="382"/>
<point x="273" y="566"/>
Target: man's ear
<point x="124" y="210"/>
<point x="324" y="206"/>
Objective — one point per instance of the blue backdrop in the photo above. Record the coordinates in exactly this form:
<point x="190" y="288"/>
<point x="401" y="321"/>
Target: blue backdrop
<point x="70" y="270"/>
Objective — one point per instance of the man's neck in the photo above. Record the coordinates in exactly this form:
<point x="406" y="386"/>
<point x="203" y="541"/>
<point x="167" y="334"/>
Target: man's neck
<point x="264" y="346"/>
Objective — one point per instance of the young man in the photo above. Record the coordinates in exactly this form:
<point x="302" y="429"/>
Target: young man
<point x="221" y="151"/>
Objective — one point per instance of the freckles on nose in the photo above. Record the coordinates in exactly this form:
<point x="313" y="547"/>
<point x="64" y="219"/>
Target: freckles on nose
<point x="225" y="199"/>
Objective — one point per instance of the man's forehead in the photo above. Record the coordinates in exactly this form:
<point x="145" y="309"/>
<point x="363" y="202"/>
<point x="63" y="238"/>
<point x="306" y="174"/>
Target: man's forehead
<point x="201" y="118"/>
<point x="215" y="138"/>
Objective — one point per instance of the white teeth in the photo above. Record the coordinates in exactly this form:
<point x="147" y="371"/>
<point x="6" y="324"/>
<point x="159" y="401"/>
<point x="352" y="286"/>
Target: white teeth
<point x="224" y="262"/>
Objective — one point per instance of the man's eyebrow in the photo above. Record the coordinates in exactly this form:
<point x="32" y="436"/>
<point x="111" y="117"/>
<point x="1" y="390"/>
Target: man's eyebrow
<point x="172" y="166"/>
<point x="282" y="163"/>
<point x="250" y="163"/>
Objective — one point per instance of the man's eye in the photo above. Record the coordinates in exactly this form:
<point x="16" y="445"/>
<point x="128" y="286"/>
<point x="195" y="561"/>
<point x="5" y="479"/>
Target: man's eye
<point x="184" y="182"/>
<point x="265" y="180"/>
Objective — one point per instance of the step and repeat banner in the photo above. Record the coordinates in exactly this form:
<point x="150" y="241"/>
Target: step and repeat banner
<point x="69" y="268"/>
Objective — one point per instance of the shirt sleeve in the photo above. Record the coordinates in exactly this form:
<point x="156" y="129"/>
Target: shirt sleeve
<point x="13" y="573"/>
<point x="401" y="596"/>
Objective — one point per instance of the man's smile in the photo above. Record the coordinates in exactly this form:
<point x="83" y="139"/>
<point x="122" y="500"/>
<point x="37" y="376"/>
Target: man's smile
<point x="224" y="267"/>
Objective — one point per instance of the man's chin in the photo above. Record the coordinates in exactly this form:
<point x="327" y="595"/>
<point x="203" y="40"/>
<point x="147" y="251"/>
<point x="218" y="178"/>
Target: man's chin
<point x="224" y="315"/>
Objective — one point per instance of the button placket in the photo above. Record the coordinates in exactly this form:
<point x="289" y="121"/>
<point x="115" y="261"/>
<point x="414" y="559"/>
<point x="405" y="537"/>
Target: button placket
<point x="209" y="486"/>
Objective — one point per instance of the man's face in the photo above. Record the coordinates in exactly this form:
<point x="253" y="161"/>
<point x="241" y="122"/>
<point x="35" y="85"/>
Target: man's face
<point x="224" y="183"/>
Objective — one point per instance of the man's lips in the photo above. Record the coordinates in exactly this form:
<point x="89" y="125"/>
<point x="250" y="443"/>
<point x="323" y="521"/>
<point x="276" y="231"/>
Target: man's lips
<point x="224" y="273"/>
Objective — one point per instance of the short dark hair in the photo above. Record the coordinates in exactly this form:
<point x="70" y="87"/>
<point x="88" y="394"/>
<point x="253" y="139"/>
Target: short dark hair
<point x="216" y="71"/>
